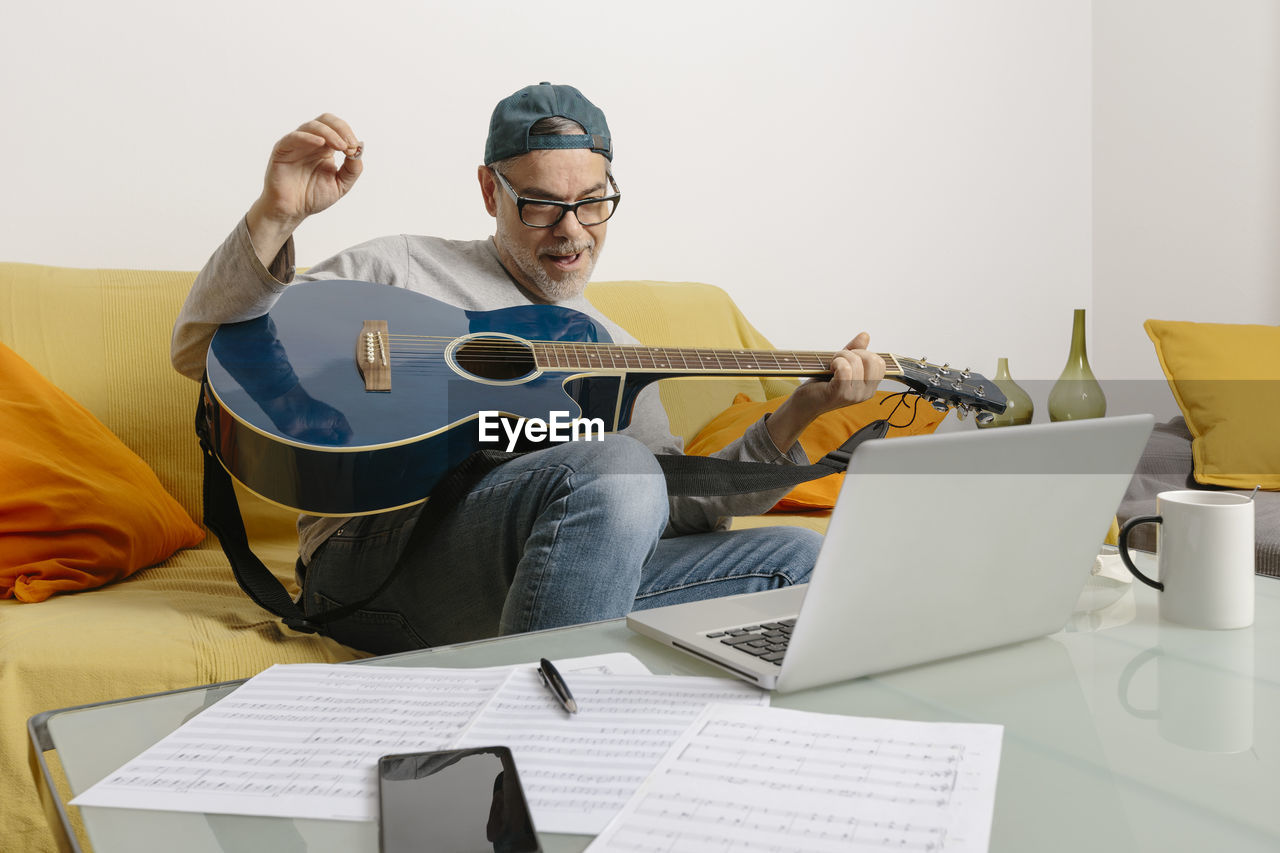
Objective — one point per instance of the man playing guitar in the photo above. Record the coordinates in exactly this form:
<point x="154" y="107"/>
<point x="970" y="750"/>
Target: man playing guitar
<point x="576" y="532"/>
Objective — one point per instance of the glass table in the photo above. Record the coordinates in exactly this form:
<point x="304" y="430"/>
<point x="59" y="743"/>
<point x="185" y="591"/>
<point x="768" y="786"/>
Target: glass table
<point x="1122" y="733"/>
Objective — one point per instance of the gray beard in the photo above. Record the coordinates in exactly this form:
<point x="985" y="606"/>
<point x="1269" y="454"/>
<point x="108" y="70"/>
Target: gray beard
<point x="549" y="288"/>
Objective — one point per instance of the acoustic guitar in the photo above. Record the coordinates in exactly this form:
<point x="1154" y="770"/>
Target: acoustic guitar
<point x="352" y="397"/>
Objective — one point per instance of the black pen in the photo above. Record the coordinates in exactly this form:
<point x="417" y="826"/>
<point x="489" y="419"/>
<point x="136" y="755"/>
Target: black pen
<point x="555" y="683"/>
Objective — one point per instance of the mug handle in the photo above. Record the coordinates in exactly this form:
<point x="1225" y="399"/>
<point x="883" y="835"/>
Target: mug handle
<point x="1122" y="544"/>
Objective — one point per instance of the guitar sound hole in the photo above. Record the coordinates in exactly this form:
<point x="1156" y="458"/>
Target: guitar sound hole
<point x="499" y="359"/>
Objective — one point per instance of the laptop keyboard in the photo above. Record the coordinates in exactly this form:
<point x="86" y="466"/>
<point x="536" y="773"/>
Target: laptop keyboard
<point x="767" y="641"/>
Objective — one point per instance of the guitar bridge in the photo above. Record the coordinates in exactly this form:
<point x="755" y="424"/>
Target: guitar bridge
<point x="373" y="357"/>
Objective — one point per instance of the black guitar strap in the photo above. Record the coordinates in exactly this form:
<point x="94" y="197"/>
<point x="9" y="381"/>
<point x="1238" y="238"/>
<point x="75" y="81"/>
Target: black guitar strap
<point x="692" y="476"/>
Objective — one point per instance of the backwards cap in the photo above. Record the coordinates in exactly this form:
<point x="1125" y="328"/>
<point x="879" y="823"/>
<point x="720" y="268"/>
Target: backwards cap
<point x="516" y="114"/>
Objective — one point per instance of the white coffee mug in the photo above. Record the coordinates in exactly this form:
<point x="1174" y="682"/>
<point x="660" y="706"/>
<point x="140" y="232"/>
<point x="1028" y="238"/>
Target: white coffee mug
<point x="1204" y="557"/>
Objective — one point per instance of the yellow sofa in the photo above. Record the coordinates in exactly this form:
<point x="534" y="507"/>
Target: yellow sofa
<point x="102" y="336"/>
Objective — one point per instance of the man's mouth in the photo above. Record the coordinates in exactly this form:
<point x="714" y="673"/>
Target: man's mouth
<point x="565" y="260"/>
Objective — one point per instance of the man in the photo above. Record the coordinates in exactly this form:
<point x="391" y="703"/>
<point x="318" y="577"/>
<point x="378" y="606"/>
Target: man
<point x="573" y="533"/>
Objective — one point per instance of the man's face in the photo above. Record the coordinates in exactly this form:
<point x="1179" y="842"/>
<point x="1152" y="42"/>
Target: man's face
<point x="555" y="263"/>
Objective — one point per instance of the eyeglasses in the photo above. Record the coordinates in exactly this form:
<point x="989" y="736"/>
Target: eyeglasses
<point x="543" y="213"/>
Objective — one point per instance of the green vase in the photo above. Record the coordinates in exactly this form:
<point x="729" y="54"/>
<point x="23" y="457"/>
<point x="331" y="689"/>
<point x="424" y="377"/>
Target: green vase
<point x="1019" y="408"/>
<point x="1077" y="395"/>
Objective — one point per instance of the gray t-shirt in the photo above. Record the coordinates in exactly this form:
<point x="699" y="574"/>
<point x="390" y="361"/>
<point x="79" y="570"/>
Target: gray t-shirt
<point x="234" y="286"/>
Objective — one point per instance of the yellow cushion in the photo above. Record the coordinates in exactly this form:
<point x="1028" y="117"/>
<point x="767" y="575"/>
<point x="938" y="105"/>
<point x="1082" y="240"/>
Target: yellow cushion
<point x="822" y="436"/>
<point x="78" y="509"/>
<point x="1226" y="379"/>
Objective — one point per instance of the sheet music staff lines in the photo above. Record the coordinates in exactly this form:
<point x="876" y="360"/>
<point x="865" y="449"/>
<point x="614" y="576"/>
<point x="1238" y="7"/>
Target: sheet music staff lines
<point x="810" y="831"/>
<point x="305" y="733"/>
<point x="772" y="780"/>
<point x="886" y="769"/>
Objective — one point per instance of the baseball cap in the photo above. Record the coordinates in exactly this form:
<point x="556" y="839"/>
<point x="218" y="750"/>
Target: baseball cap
<point x="518" y="112"/>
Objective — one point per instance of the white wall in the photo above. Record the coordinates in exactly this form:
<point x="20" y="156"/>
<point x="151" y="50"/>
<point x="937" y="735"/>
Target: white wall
<point x="919" y="168"/>
<point x="1186" y="174"/>
<point x="924" y="169"/>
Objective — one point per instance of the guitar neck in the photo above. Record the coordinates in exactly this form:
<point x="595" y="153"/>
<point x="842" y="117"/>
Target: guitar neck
<point x="683" y="361"/>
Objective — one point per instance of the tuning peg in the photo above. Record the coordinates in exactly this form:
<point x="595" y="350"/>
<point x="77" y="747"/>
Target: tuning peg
<point x="962" y="410"/>
<point x="985" y="418"/>
<point x="939" y="404"/>
<point x="964" y="374"/>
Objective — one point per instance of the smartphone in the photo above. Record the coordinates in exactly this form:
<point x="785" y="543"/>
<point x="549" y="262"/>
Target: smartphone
<point x="453" y="801"/>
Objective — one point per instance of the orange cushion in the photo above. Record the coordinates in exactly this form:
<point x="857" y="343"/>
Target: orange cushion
<point x="78" y="509"/>
<point x="822" y="436"/>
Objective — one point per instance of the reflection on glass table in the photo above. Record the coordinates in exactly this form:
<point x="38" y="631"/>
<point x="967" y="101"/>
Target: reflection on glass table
<point x="1122" y="732"/>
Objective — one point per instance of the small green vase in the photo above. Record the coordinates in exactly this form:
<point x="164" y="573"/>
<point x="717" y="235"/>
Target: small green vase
<point x="1077" y="395"/>
<point x="1019" y="408"/>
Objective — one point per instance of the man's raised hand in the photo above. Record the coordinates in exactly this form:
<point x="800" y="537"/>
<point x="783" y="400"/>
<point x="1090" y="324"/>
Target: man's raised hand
<point x="302" y="179"/>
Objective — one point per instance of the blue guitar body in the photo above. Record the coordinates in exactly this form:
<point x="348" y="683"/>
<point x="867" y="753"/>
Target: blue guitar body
<point x="291" y="419"/>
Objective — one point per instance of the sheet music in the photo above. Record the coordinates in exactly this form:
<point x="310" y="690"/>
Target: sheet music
<point x="303" y="740"/>
<point x="578" y="770"/>
<point x="768" y="779"/>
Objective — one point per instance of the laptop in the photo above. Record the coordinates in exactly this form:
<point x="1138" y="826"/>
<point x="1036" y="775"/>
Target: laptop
<point x="939" y="545"/>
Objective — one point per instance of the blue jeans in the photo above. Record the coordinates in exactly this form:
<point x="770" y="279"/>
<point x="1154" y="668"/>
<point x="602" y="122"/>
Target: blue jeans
<point x="568" y="535"/>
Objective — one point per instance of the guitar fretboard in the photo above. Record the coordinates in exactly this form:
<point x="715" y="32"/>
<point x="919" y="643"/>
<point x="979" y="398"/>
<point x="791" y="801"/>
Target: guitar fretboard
<point x="595" y="357"/>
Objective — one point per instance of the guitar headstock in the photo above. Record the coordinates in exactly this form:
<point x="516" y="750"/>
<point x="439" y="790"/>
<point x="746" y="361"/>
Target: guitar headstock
<point x="948" y="388"/>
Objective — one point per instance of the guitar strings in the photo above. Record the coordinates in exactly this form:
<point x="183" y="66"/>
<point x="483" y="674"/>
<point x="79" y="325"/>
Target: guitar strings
<point x="447" y="339"/>
<point x="521" y="341"/>
<point x="429" y="343"/>
<point x="425" y="354"/>
<point x="410" y="347"/>
<point x="496" y="341"/>
<point x="501" y="348"/>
